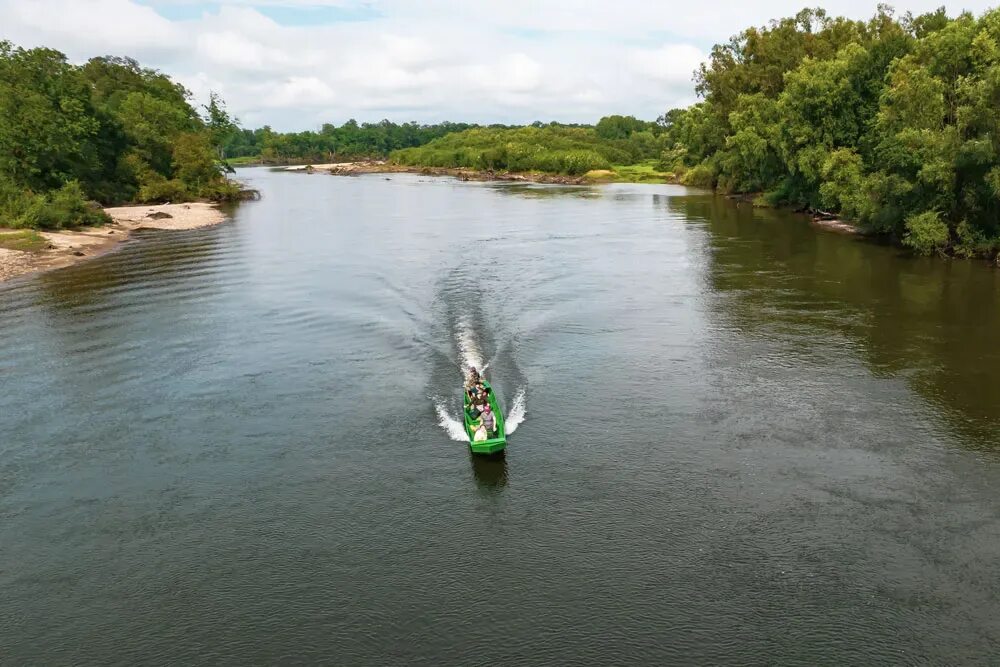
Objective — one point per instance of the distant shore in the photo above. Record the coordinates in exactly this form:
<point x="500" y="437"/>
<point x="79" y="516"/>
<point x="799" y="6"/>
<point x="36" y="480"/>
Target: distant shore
<point x="461" y="173"/>
<point x="66" y="247"/>
<point x="822" y="221"/>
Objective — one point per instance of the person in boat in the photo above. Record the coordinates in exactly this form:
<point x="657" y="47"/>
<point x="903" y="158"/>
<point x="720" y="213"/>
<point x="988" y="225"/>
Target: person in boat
<point x="474" y="411"/>
<point x="481" y="401"/>
<point x="477" y="393"/>
<point x="480" y="433"/>
<point x="474" y="377"/>
<point x="484" y="392"/>
<point x="489" y="419"/>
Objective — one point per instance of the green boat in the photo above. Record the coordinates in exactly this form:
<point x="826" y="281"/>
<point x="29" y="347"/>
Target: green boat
<point x="494" y="445"/>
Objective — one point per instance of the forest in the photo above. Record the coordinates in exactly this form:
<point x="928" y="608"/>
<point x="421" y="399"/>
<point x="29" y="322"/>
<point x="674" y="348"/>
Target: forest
<point x="892" y="123"/>
<point x="350" y="141"/>
<point x="76" y="137"/>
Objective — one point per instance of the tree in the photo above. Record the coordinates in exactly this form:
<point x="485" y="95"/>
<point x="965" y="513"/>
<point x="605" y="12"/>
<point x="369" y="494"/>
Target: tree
<point x="47" y="122"/>
<point x="221" y="127"/>
<point x="108" y="130"/>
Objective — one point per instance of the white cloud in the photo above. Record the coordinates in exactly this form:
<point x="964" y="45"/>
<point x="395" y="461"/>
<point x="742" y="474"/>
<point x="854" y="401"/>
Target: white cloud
<point x="300" y="91"/>
<point x="93" y="26"/>
<point x="427" y="60"/>
<point x="671" y="64"/>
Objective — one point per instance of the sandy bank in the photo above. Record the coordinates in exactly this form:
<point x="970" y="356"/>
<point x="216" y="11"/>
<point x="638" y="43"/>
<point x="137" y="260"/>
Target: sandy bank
<point x="362" y="167"/>
<point x="181" y="216"/>
<point x="314" y="167"/>
<point x="69" y="247"/>
<point x="461" y="173"/>
<point x="835" y="225"/>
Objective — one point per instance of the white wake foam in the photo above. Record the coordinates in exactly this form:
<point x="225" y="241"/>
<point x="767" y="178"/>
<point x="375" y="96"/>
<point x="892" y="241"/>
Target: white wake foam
<point x="453" y="427"/>
<point x="468" y="348"/>
<point x="518" y="411"/>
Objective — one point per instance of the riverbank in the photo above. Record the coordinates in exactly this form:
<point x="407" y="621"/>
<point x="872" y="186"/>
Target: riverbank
<point x="818" y="219"/>
<point x="461" y="173"/>
<point x="628" y="174"/>
<point x="66" y="247"/>
<point x="633" y="174"/>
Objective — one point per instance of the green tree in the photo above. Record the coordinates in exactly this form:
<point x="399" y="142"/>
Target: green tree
<point x="108" y="130"/>
<point x="47" y="123"/>
<point x="221" y="126"/>
<point x="891" y="122"/>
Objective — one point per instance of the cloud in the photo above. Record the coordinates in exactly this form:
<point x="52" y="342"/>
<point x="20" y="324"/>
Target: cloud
<point x="671" y="64"/>
<point x="294" y="64"/>
<point x="92" y="27"/>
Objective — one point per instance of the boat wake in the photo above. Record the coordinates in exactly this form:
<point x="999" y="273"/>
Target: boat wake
<point x="470" y="354"/>
<point x="452" y="426"/>
<point x="518" y="411"/>
<point x="468" y="348"/>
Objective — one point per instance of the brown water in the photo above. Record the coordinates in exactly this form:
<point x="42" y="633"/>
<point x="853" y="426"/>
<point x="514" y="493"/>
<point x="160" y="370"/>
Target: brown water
<point x="740" y="441"/>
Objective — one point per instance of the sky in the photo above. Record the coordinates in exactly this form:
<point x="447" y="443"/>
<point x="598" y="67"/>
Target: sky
<point x="295" y="64"/>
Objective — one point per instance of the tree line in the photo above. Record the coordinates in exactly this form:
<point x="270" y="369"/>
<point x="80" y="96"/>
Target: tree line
<point x="353" y="140"/>
<point x="892" y="122"/>
<point x="556" y="148"/>
<point x="73" y="137"/>
<point x="350" y="141"/>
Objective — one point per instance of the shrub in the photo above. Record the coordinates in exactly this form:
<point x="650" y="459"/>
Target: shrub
<point x="702" y="176"/>
<point x="841" y="189"/>
<point x="926" y="233"/>
<point x="971" y="241"/>
<point x="582" y="161"/>
<point x="159" y="190"/>
<point x="59" y="209"/>
<point x="672" y="159"/>
<point x="231" y="191"/>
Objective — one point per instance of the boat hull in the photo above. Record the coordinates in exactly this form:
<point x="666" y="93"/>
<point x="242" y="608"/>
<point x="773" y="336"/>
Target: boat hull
<point x="493" y="445"/>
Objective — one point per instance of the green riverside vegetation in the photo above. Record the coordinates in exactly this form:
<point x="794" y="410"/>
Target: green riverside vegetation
<point x="893" y="123"/>
<point x="107" y="132"/>
<point x="350" y="141"/>
<point x="553" y="148"/>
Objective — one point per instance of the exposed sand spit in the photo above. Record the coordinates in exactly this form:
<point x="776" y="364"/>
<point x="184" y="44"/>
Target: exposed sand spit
<point x="69" y="247"/>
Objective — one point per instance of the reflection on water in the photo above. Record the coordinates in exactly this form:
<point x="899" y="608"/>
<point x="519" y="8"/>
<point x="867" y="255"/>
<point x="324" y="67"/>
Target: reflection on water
<point x="546" y="191"/>
<point x="930" y="321"/>
<point x="490" y="471"/>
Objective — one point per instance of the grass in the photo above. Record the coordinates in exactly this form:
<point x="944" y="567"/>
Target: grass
<point x="28" y="240"/>
<point x="644" y="172"/>
<point x="244" y="161"/>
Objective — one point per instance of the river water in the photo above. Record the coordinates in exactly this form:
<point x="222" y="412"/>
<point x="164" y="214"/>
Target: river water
<point x="738" y="440"/>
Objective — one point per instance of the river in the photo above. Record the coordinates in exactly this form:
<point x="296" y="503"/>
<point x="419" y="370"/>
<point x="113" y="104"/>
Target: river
<point x="738" y="440"/>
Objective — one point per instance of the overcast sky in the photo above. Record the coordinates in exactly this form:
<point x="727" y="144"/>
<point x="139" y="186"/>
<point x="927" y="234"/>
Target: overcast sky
<point x="295" y="64"/>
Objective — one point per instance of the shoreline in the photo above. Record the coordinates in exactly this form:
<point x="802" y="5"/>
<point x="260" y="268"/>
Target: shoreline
<point x="822" y="221"/>
<point x="69" y="247"/>
<point x="461" y="173"/>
